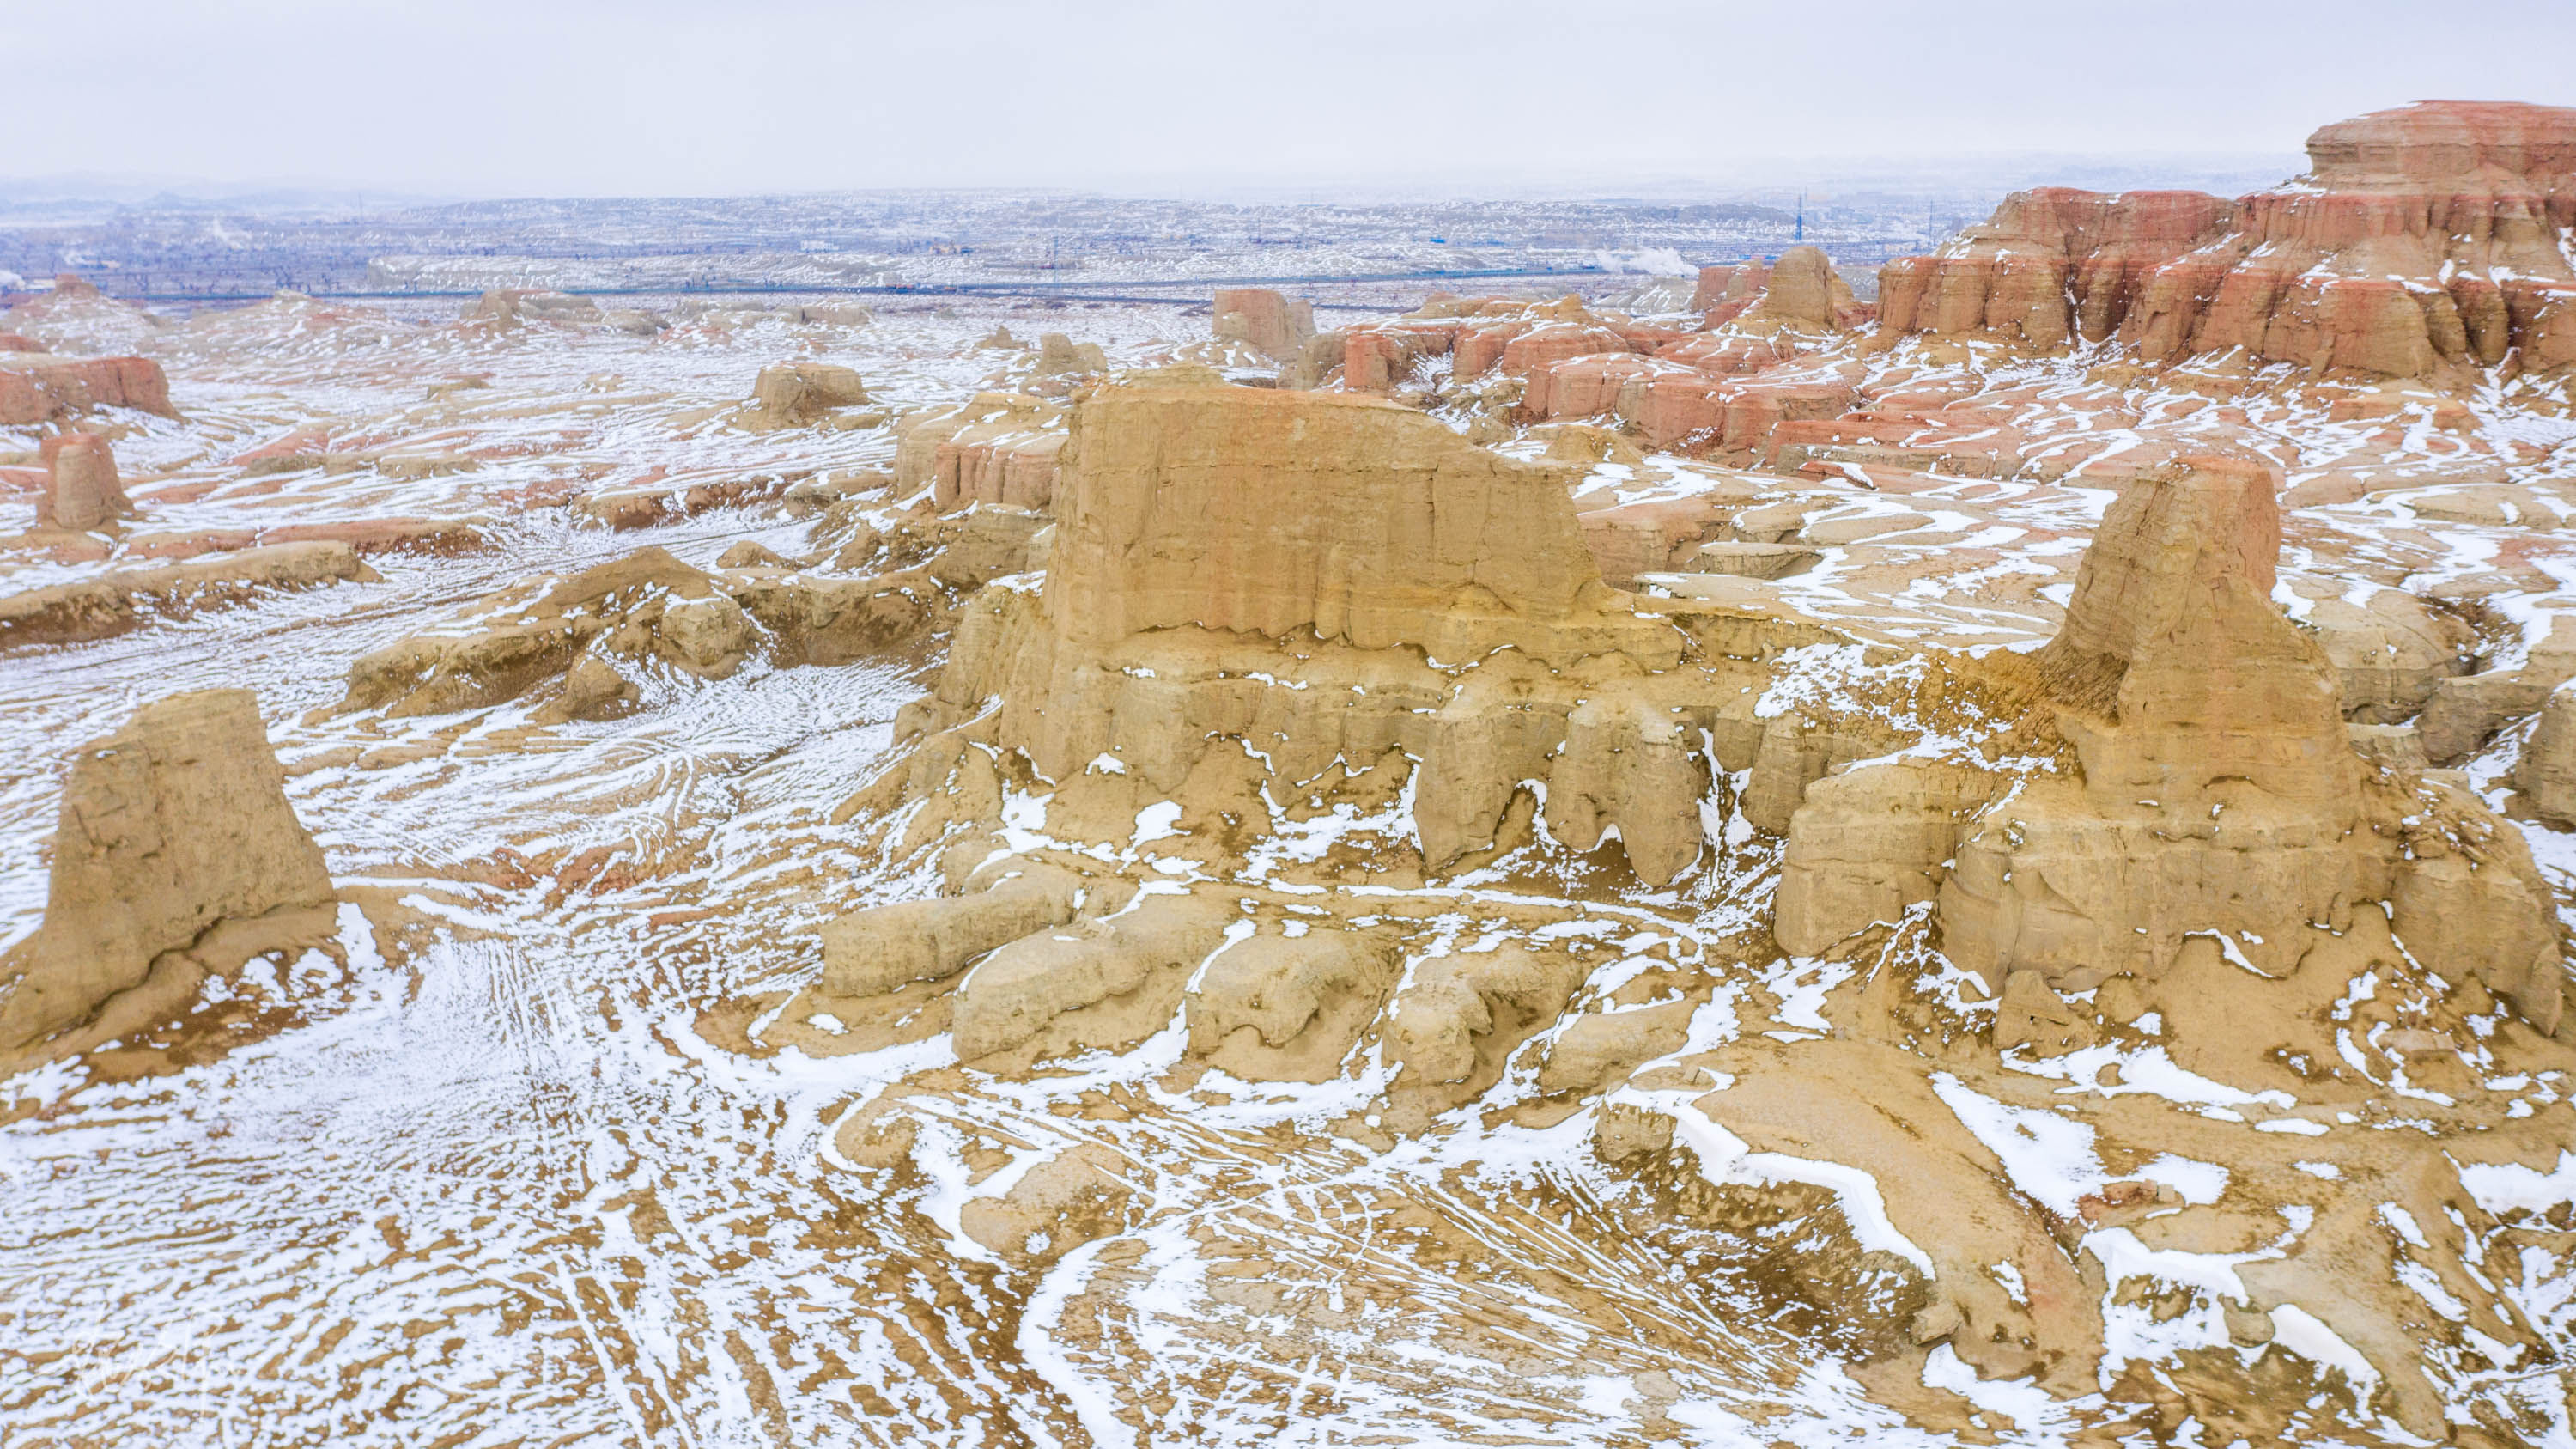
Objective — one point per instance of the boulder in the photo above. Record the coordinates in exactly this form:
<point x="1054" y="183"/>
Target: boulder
<point x="1278" y="1007"/>
<point x="1102" y="985"/>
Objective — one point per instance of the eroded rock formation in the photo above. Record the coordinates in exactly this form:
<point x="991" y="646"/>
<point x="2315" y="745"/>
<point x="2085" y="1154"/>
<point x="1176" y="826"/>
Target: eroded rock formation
<point x="37" y="387"/>
<point x="175" y="853"/>
<point x="2422" y="237"/>
<point x="2209" y="790"/>
<point x="1277" y="327"/>
<point x="82" y="490"/>
<point x="805" y="395"/>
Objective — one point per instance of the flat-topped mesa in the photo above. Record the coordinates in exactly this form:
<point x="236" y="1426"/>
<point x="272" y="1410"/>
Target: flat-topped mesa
<point x="1276" y="513"/>
<point x="1263" y="320"/>
<point x="38" y="386"/>
<point x="2424" y="236"/>
<point x="2498" y="146"/>
<point x="1302" y="584"/>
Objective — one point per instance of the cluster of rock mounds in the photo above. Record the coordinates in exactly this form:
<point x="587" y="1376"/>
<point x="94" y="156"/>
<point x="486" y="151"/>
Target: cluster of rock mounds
<point x="1724" y="385"/>
<point x="1434" y="605"/>
<point x="176" y="856"/>
<point x="591" y="645"/>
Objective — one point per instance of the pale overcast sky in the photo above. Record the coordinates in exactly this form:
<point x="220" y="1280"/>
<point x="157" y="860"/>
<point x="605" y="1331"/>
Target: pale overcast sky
<point x="517" y="97"/>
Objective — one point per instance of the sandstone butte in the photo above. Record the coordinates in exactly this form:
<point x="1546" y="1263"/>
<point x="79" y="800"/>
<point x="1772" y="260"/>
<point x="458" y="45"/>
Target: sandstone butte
<point x="176" y="857"/>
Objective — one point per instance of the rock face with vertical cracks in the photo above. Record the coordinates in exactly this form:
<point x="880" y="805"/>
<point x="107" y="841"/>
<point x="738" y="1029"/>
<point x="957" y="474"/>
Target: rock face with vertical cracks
<point x="2204" y="785"/>
<point x="2423" y="239"/>
<point x="172" y="825"/>
<point x="1426" y="597"/>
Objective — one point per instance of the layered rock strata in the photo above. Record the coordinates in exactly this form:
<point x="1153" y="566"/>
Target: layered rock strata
<point x="2421" y="238"/>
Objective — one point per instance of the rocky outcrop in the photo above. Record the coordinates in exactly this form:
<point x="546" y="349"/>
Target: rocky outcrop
<point x="1803" y="293"/>
<point x="1228" y="510"/>
<point x="995" y="448"/>
<point x="805" y="395"/>
<point x="1435" y="599"/>
<point x="1059" y="356"/>
<point x="119" y="600"/>
<point x="511" y="306"/>
<point x="174" y="824"/>
<point x="2422" y="238"/>
<point x="2052" y="266"/>
<point x="596" y="644"/>
<point x="36" y="387"/>
<point x="1263" y="320"/>
<point x="2545" y="771"/>
<point x="2208" y="788"/>
<point x="82" y="490"/>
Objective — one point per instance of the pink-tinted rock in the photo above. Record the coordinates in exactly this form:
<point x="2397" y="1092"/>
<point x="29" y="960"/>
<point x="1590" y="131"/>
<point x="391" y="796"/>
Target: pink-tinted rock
<point x="1726" y="291"/>
<point x="1375" y="359"/>
<point x="1263" y="320"/>
<point x="2422" y="237"/>
<point x="301" y="448"/>
<point x="385" y="535"/>
<point x="82" y="490"/>
<point x="2052" y="265"/>
<point x="37" y="386"/>
<point x="1018" y="469"/>
<point x="190" y="545"/>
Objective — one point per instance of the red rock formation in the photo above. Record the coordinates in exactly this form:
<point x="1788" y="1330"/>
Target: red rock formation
<point x="1376" y="358"/>
<point x="2424" y="236"/>
<point x="37" y="386"/>
<point x="1263" y="320"/>
<point x="1726" y="291"/>
<point x="2054" y="264"/>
